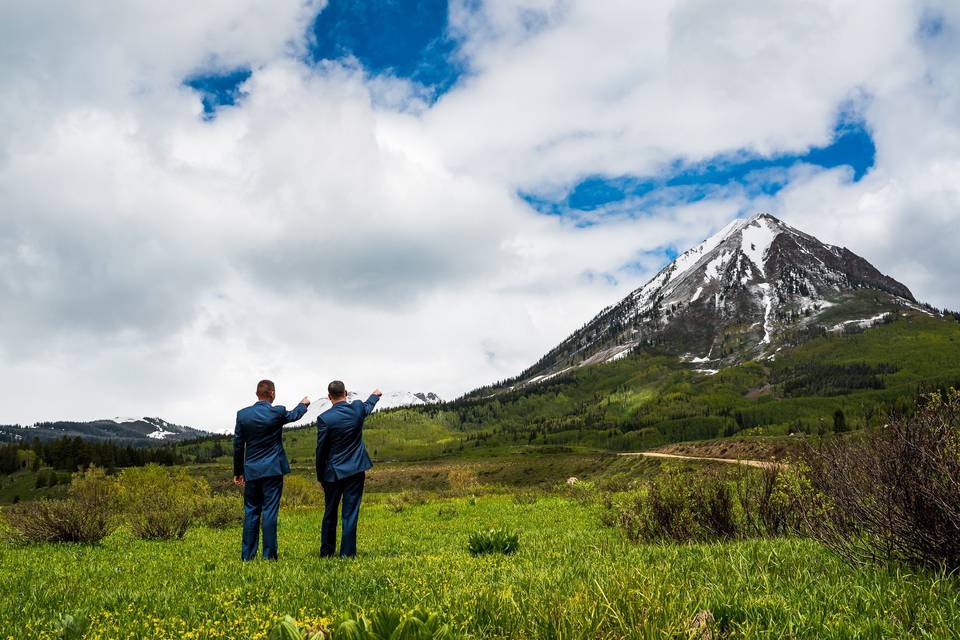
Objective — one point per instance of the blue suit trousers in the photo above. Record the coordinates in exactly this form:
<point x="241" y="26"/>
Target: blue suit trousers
<point x="261" y="504"/>
<point x="349" y="490"/>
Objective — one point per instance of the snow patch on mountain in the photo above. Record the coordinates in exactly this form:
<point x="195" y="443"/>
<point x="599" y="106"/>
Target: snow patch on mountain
<point x="864" y="323"/>
<point x="767" y="310"/>
<point x="689" y="258"/>
<point x="715" y="266"/>
<point x="756" y="238"/>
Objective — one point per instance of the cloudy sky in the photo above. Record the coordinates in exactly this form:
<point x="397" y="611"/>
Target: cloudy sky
<point x="425" y="195"/>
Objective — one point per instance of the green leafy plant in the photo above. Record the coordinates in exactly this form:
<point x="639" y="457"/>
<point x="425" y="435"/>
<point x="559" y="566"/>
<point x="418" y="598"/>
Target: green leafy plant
<point x="288" y="629"/>
<point x="493" y="541"/>
<point x="389" y="624"/>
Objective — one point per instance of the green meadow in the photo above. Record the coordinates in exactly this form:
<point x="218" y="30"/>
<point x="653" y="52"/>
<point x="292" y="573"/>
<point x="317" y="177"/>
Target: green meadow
<point x="571" y="578"/>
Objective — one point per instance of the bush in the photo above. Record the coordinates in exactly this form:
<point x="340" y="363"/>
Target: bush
<point x="493" y="541"/>
<point x="160" y="502"/>
<point x="218" y="512"/>
<point x="893" y="495"/>
<point x="709" y="507"/>
<point x="86" y="515"/>
<point x="774" y="499"/>
<point x="300" y="492"/>
<point x="583" y="491"/>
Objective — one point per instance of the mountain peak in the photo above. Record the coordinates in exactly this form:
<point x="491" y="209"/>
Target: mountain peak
<point x="735" y="295"/>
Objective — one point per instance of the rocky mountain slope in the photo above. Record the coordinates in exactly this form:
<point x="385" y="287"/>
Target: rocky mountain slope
<point x="747" y="291"/>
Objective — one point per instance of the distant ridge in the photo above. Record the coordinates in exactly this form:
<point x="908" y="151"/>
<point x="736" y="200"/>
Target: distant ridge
<point x="128" y="431"/>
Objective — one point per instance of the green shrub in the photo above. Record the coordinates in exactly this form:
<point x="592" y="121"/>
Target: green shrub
<point x="160" y="502"/>
<point x="493" y="541"/>
<point x="301" y="492"/>
<point x="218" y="512"/>
<point x="87" y="514"/>
<point x="582" y="491"/>
<point x="709" y="507"/>
<point x="677" y="508"/>
<point x="774" y="499"/>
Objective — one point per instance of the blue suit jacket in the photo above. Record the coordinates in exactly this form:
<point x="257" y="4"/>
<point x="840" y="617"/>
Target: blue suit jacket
<point x="258" y="440"/>
<point x="340" y="449"/>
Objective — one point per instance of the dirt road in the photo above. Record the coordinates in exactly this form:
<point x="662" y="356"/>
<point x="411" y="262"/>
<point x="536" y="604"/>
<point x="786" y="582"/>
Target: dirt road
<point x="750" y="463"/>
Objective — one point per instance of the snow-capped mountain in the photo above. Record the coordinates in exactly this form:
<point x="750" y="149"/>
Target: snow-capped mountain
<point x="389" y="400"/>
<point x="739" y="294"/>
<point x="134" y="431"/>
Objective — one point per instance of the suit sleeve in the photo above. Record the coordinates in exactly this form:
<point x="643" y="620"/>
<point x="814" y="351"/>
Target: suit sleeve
<point x="296" y="413"/>
<point x="321" y="456"/>
<point x="238" y="449"/>
<point x="370" y="404"/>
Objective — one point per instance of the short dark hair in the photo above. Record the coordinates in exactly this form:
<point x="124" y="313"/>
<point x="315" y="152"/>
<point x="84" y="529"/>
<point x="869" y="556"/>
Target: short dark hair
<point x="337" y="389"/>
<point x="265" y="388"/>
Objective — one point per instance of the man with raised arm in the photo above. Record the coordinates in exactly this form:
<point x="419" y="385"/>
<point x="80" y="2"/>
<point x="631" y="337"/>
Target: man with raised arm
<point x="259" y="464"/>
<point x="342" y="462"/>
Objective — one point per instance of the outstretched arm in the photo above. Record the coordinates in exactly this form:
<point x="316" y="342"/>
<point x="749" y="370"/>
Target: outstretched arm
<point x="297" y="412"/>
<point x="371" y="402"/>
<point x="238" y="450"/>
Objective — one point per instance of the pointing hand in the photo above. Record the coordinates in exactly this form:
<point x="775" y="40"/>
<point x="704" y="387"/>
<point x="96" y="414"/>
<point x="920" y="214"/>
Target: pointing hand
<point x="306" y="401"/>
<point x="377" y="392"/>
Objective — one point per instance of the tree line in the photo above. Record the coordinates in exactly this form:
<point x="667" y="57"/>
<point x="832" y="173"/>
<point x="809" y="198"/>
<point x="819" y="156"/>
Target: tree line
<point x="72" y="453"/>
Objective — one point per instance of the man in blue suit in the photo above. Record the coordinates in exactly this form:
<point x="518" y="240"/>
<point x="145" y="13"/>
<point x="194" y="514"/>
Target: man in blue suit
<point x="342" y="462"/>
<point x="259" y="464"/>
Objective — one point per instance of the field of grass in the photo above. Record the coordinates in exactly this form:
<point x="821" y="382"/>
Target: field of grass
<point x="572" y="578"/>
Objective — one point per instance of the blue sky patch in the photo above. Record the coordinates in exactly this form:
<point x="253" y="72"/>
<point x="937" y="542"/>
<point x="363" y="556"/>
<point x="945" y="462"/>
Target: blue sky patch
<point x="852" y="146"/>
<point x="403" y="38"/>
<point x="218" y="89"/>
